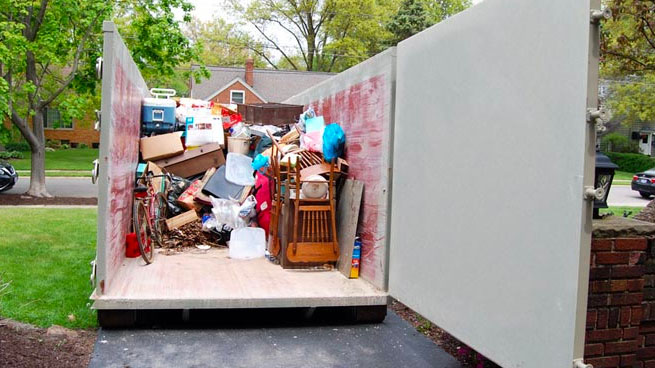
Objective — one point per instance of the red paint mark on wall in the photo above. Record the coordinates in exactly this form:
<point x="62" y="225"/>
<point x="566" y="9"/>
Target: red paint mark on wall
<point x="126" y="113"/>
<point x="360" y="110"/>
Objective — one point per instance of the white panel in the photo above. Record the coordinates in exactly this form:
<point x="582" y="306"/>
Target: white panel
<point x="489" y="232"/>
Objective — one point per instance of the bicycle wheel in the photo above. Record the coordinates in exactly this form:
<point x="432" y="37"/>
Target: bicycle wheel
<point x="143" y="231"/>
<point x="159" y="206"/>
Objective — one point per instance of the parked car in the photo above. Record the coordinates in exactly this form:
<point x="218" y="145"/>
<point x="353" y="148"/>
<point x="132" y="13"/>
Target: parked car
<point x="8" y="176"/>
<point x="644" y="183"/>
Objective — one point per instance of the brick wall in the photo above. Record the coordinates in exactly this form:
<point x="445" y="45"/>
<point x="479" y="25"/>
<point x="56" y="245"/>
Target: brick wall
<point x="82" y="132"/>
<point x="620" y="317"/>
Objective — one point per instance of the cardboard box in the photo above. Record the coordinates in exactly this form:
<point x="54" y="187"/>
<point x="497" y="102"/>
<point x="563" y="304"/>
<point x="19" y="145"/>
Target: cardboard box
<point x="193" y="162"/>
<point x="161" y="146"/>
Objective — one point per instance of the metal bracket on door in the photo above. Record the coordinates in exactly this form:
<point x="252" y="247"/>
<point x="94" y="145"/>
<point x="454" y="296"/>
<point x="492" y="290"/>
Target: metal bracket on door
<point x="99" y="68"/>
<point x="598" y="16"/>
<point x="599" y="117"/>
<point x="592" y="194"/>
<point x="95" y="171"/>
<point x="579" y="363"/>
<point x="96" y="126"/>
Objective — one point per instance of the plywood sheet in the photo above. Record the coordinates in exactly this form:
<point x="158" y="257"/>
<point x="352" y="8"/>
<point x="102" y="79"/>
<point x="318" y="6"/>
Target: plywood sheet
<point x="196" y="279"/>
<point x="347" y="216"/>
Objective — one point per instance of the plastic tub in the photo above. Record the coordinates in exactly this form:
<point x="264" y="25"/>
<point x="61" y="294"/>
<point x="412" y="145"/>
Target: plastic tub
<point x="238" y="169"/>
<point x="247" y="243"/>
<point x="238" y="145"/>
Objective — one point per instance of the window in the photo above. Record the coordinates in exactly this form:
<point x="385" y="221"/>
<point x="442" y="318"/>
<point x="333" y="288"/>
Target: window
<point x="52" y="120"/>
<point x="237" y="97"/>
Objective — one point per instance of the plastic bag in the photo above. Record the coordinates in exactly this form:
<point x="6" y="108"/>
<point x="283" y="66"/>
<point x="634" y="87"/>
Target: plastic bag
<point x="334" y="142"/>
<point x="226" y="212"/>
<point x="178" y="186"/>
<point x="260" y="163"/>
<point x="312" y="141"/>
<point x="247" y="209"/>
<point x="209" y="223"/>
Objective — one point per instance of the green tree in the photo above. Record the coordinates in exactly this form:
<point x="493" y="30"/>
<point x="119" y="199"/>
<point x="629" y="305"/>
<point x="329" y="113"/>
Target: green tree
<point x="328" y="35"/>
<point x="628" y="59"/>
<point x="413" y="16"/>
<point x="48" y="50"/>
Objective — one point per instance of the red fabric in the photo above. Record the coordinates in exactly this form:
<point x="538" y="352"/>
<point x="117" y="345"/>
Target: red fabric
<point x="263" y="197"/>
<point x="131" y="246"/>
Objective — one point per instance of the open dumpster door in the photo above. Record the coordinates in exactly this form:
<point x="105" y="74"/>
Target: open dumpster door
<point x="490" y="228"/>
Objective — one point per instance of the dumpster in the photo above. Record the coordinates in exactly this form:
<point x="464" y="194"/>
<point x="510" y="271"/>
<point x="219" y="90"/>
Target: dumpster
<point x="473" y="144"/>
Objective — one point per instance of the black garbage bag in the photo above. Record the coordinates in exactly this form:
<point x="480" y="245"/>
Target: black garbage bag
<point x="178" y="186"/>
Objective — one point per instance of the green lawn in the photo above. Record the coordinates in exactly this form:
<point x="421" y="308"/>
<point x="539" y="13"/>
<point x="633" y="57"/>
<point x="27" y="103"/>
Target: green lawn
<point x="618" y="211"/>
<point x="623" y="175"/>
<point x="68" y="174"/>
<point x="44" y="256"/>
<point x="69" y="159"/>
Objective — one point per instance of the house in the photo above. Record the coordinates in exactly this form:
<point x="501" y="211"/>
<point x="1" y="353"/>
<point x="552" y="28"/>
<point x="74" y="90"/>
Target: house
<point x="229" y="85"/>
<point x="73" y="133"/>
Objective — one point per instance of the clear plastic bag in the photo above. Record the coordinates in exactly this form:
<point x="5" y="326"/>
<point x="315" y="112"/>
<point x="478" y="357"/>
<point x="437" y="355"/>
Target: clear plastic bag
<point x="238" y="169"/>
<point x="247" y="209"/>
<point x="226" y="211"/>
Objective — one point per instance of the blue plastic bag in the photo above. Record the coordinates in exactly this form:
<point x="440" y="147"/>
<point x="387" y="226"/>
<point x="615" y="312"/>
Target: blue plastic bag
<point x="334" y="142"/>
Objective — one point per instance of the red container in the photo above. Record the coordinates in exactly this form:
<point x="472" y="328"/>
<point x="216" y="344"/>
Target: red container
<point x="131" y="246"/>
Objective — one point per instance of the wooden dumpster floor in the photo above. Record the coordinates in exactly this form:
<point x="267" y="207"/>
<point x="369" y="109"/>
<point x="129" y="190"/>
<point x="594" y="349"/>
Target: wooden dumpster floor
<point x="194" y="279"/>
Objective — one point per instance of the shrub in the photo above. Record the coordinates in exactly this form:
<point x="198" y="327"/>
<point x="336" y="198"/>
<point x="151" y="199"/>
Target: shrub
<point x="631" y="162"/>
<point x="82" y="145"/>
<point x="615" y="142"/>
<point x="64" y="146"/>
<point x="17" y="146"/>
<point x="6" y="155"/>
<point x="51" y="143"/>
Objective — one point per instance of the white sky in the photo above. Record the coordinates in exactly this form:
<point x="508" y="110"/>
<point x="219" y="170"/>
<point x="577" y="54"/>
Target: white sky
<point x="209" y="9"/>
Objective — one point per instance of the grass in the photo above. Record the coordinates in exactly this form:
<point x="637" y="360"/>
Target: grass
<point x="623" y="175"/>
<point x="619" y="210"/>
<point x="69" y="159"/>
<point x="60" y="174"/>
<point x="44" y="257"/>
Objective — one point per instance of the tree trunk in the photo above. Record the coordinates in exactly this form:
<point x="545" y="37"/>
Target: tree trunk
<point x="37" y="178"/>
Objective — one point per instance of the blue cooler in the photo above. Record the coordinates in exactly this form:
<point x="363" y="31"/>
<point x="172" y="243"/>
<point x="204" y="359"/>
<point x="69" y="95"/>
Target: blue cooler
<point x="158" y="114"/>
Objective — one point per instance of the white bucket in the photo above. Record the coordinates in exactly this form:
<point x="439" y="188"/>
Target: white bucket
<point x="238" y="145"/>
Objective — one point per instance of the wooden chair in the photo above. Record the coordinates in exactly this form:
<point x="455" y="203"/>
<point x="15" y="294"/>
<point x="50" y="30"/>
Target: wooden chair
<point x="279" y="173"/>
<point x="313" y="235"/>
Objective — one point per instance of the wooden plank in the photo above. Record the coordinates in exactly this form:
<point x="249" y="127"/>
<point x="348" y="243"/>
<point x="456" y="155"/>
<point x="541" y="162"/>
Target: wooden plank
<point x="181" y="220"/>
<point x="347" y="216"/>
<point x="213" y="280"/>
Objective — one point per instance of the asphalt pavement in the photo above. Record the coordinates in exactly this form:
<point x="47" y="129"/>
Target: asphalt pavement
<point x="623" y="195"/>
<point x="60" y="187"/>
<point x="393" y="343"/>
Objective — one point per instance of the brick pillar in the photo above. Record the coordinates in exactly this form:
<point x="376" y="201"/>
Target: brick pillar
<point x="615" y="301"/>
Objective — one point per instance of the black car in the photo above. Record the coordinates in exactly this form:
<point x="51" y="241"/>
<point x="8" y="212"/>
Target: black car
<point x="8" y="176"/>
<point x="644" y="183"/>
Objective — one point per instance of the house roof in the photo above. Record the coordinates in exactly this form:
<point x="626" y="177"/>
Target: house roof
<point x="273" y="85"/>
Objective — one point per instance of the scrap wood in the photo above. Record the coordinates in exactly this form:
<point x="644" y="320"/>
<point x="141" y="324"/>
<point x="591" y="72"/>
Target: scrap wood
<point x="200" y="197"/>
<point x="189" y="235"/>
<point x="181" y="220"/>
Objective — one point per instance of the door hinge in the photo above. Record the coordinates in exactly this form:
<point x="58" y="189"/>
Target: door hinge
<point x="598" y="16"/>
<point x="579" y="363"/>
<point x="598" y="117"/>
<point x="96" y="126"/>
<point x="99" y="68"/>
<point x="593" y="194"/>
<point x="95" y="172"/>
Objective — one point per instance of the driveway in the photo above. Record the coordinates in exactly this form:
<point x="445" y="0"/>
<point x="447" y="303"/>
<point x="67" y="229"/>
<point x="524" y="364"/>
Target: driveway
<point x="60" y="187"/>
<point x="393" y="343"/>
<point x="622" y="195"/>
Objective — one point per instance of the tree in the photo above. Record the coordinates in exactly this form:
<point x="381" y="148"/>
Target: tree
<point x="628" y="59"/>
<point x="224" y="44"/>
<point x="328" y="35"/>
<point x="413" y="16"/>
<point x="47" y="56"/>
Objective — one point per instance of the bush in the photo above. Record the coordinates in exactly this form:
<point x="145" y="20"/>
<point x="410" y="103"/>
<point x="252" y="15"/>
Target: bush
<point x="17" y="146"/>
<point x="10" y="154"/>
<point x="51" y="143"/>
<point x="82" y="145"/>
<point x="64" y="146"/>
<point x="615" y="142"/>
<point x="631" y="162"/>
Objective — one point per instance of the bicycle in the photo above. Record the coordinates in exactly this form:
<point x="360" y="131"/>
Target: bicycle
<point x="149" y="214"/>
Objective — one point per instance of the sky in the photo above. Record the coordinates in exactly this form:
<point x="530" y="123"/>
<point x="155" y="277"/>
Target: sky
<point x="208" y="9"/>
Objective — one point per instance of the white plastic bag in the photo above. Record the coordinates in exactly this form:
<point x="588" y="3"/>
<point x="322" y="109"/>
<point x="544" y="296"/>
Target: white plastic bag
<point x="247" y="243"/>
<point x="226" y="212"/>
<point x="238" y="169"/>
<point x="247" y="209"/>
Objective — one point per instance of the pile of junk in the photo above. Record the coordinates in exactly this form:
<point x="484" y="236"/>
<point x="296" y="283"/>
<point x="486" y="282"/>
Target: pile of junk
<point x="263" y="180"/>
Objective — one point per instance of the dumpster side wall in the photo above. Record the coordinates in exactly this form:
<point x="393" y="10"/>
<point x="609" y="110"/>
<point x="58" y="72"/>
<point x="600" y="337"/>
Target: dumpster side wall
<point x="123" y="89"/>
<point x="361" y="100"/>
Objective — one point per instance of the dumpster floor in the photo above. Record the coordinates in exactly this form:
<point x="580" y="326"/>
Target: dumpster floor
<point x="393" y="343"/>
<point x="196" y="279"/>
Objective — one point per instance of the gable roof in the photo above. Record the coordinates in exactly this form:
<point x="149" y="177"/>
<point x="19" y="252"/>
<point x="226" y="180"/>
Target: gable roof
<point x="269" y="84"/>
<point x="231" y="83"/>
